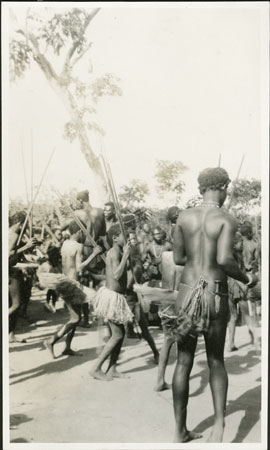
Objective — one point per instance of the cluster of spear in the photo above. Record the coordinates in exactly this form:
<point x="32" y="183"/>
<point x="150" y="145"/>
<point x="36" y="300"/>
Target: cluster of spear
<point x="112" y="191"/>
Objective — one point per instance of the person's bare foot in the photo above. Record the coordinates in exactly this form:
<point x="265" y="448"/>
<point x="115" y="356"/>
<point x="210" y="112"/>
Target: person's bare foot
<point x="99" y="375"/>
<point x="216" y="433"/>
<point x="115" y="374"/>
<point x="69" y="352"/>
<point x="186" y="436"/>
<point x="13" y="340"/>
<point x="162" y="387"/>
<point x="49" y="347"/>
<point x="85" y="325"/>
<point x="232" y="349"/>
<point x="255" y="348"/>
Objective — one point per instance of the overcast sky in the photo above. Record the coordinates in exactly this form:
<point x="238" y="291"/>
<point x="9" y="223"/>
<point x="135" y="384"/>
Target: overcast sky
<point x="191" y="81"/>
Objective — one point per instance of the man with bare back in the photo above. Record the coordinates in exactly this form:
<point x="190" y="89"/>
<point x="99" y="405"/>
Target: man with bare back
<point x="111" y="304"/>
<point x="69" y="288"/>
<point x="203" y="242"/>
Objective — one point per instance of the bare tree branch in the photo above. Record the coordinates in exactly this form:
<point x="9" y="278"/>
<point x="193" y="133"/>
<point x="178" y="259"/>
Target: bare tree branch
<point x="81" y="55"/>
<point x="43" y="62"/>
<point x="71" y="51"/>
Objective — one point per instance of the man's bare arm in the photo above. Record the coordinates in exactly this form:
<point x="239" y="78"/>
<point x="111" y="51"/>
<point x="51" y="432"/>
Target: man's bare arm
<point x="120" y="266"/>
<point x="30" y="244"/>
<point x="65" y="224"/>
<point x="179" y="254"/>
<point x="14" y="289"/>
<point x="225" y="257"/>
<point x="79" y="258"/>
<point x="90" y="258"/>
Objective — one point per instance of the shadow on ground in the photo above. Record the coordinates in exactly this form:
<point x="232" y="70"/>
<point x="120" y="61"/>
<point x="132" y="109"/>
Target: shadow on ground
<point x="250" y="403"/>
<point x="57" y="365"/>
<point x="17" y="419"/>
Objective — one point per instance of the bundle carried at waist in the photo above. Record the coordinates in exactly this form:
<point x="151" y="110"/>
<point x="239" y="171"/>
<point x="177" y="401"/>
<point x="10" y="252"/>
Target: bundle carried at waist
<point x="193" y="317"/>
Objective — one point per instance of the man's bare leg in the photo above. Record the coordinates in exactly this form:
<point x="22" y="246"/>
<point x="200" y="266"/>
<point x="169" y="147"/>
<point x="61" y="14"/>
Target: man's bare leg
<point x="117" y="330"/>
<point x="163" y="361"/>
<point x="69" y="327"/>
<point x="251" y="324"/>
<point x="117" y="334"/>
<point x="214" y="342"/>
<point x="140" y="316"/>
<point x="180" y="388"/>
<point x="231" y="328"/>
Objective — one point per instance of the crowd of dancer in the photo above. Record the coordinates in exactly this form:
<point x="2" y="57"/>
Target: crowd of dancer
<point x="193" y="279"/>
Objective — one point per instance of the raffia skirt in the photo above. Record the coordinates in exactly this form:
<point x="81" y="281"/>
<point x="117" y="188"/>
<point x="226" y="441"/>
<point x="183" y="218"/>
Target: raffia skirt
<point x="110" y="305"/>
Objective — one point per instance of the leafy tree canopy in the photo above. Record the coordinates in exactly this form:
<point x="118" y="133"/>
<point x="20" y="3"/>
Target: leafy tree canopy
<point x="134" y="193"/>
<point x="168" y="176"/>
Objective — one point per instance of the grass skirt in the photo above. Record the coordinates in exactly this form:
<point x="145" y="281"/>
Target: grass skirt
<point x="193" y="317"/>
<point x="111" y="305"/>
<point x="70" y="290"/>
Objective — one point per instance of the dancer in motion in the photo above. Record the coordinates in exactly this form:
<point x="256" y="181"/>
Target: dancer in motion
<point x="203" y="242"/>
<point x="69" y="288"/>
<point x="111" y="304"/>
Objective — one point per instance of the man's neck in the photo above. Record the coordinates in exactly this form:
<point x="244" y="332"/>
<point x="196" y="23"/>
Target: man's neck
<point x="87" y="206"/>
<point x="117" y="247"/>
<point x="211" y="197"/>
<point x="110" y="219"/>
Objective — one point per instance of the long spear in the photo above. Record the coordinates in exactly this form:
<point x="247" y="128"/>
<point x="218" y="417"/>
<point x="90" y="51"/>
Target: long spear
<point x="219" y="160"/>
<point x="235" y="181"/>
<point x="24" y="173"/>
<point x="112" y="189"/>
<point x="111" y="185"/>
<point x="33" y="201"/>
<point x="78" y="221"/>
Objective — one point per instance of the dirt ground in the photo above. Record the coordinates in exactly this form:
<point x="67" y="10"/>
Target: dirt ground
<point x="56" y="401"/>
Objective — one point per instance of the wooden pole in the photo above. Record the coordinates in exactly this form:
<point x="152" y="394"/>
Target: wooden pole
<point x="24" y="173"/>
<point x="33" y="201"/>
<point x="112" y="189"/>
<point x="32" y="189"/>
<point x="235" y="181"/>
<point x="219" y="160"/>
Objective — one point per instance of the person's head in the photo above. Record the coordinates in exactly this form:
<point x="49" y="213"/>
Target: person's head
<point x="115" y="236"/>
<point x="214" y="180"/>
<point x="158" y="234"/>
<point x="133" y="238"/>
<point x="66" y="234"/>
<point x="83" y="197"/>
<point x="109" y="210"/>
<point x="58" y="234"/>
<point x="246" y="230"/>
<point x="76" y="232"/>
<point x="172" y="214"/>
<point x="146" y="227"/>
<point x="17" y="219"/>
<point x="129" y="221"/>
<point x="237" y="242"/>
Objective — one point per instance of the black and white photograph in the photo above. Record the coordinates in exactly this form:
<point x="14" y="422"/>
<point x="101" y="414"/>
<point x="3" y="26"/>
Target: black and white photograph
<point x="135" y="204"/>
